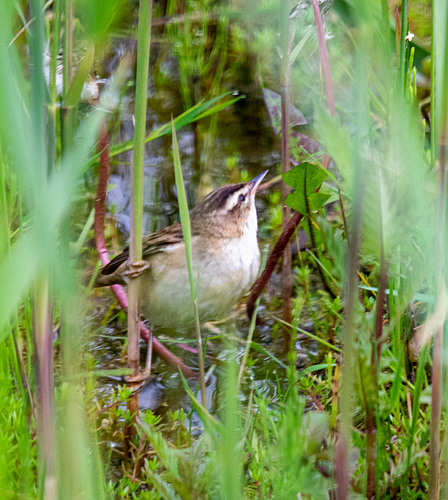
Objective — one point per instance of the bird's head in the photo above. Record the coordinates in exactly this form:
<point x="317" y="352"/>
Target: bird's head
<point x="228" y="210"/>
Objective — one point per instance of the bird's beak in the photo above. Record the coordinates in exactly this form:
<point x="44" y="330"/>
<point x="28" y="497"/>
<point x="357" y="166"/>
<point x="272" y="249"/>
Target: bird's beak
<point x="256" y="182"/>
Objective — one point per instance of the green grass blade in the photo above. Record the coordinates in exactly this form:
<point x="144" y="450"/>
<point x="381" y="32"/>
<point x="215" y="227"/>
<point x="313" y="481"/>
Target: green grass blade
<point x="186" y="231"/>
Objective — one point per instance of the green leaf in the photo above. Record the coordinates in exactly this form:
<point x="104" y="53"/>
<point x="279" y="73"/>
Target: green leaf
<point x="101" y="17"/>
<point x="213" y="426"/>
<point x="298" y="48"/>
<point x="305" y="179"/>
<point x="163" y="487"/>
<point x="200" y="110"/>
<point x="219" y="107"/>
<point x="314" y="368"/>
<point x="183" y="209"/>
<point x="258" y="347"/>
<point x="317" y="200"/>
<point x="80" y="77"/>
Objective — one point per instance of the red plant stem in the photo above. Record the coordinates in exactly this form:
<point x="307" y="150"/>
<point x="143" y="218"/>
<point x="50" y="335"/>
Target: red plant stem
<point x="120" y="294"/>
<point x="286" y="165"/>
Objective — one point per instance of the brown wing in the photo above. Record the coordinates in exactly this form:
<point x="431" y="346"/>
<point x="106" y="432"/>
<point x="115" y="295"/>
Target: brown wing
<point x="158" y="241"/>
<point x="152" y="244"/>
<point x="115" y="263"/>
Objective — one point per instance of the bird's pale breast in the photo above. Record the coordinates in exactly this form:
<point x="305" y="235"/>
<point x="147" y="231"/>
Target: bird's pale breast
<point x="224" y="269"/>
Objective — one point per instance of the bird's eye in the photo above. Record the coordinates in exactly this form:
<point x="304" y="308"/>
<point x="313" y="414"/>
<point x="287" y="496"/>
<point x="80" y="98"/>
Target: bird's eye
<point x="242" y="198"/>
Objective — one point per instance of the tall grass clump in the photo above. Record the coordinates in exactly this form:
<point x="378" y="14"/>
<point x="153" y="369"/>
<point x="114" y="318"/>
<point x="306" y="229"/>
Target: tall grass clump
<point x="389" y="187"/>
<point x="40" y="281"/>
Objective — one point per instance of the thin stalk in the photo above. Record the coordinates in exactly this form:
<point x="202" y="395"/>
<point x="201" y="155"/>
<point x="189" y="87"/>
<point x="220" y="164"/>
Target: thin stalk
<point x="42" y="310"/>
<point x="371" y="451"/>
<point x="395" y="333"/>
<point x="36" y="40"/>
<point x="137" y="171"/>
<point x="54" y="50"/>
<point x="4" y="219"/>
<point x="135" y="240"/>
<point x="382" y="286"/>
<point x="397" y="33"/>
<point x="403" y="33"/>
<point x="286" y="164"/>
<point x="141" y="96"/>
<point x="67" y="69"/>
<point x="135" y="255"/>
<point x="437" y="365"/>
<point x="371" y="399"/>
<point x="385" y="17"/>
<point x="351" y="287"/>
<point x="349" y="336"/>
<point x="433" y="104"/>
<point x="52" y="108"/>
<point x="68" y="46"/>
<point x="376" y="365"/>
<point x="67" y="127"/>
<point x="46" y="419"/>
<point x="186" y="231"/>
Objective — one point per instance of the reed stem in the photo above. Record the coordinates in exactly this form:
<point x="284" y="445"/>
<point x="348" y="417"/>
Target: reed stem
<point x="137" y="171"/>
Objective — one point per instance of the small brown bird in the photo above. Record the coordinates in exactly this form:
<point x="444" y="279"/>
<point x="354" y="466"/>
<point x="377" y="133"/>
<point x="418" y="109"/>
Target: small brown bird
<point x="226" y="260"/>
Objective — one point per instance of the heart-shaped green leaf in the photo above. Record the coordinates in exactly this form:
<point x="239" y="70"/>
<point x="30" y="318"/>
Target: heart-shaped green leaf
<point x="305" y="179"/>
